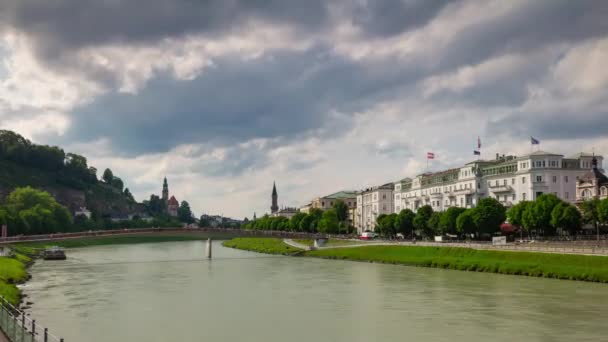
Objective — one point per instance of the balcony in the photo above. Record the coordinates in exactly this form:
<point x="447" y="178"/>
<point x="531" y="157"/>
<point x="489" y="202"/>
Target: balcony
<point x="464" y="191"/>
<point x="436" y="195"/>
<point x="500" y="188"/>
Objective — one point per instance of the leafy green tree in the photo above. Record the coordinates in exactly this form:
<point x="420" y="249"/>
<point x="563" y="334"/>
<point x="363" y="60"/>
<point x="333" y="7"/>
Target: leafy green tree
<point x="341" y="210"/>
<point x="488" y="215"/>
<point x="465" y="225"/>
<point x="204" y="222"/>
<point x="184" y="213"/>
<point x="447" y="223"/>
<point x="329" y="222"/>
<point x="294" y="222"/>
<point x="108" y="176"/>
<point x="434" y="223"/>
<point x="307" y="224"/>
<point x="316" y="213"/>
<point x="385" y="225"/>
<point x="118" y="183"/>
<point x="31" y="211"/>
<point x="155" y="206"/>
<point x="128" y="195"/>
<point x="404" y="222"/>
<point x="515" y="213"/>
<point x="537" y="215"/>
<point x="566" y="217"/>
<point x="422" y="218"/>
<point x="602" y="211"/>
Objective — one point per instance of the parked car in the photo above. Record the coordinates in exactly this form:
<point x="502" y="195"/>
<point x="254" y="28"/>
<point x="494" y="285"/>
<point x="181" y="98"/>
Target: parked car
<point x="367" y="235"/>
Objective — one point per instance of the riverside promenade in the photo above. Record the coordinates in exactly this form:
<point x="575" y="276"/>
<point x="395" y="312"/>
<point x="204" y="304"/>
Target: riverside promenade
<point x="541" y="247"/>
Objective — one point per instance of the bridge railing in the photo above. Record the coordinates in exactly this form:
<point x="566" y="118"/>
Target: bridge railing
<point x="18" y="327"/>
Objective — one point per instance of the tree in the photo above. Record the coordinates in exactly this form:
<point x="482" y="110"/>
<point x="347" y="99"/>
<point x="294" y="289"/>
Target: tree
<point x="329" y="222"/>
<point x="421" y="220"/>
<point x="515" y="213"/>
<point x="341" y="210"/>
<point x="294" y="222"/>
<point x="433" y="223"/>
<point x="117" y="183"/>
<point x="128" y="195"/>
<point x="489" y="215"/>
<point x="404" y="222"/>
<point x="566" y="217"/>
<point x="31" y="211"/>
<point x="447" y="223"/>
<point x="155" y="206"/>
<point x="385" y="225"/>
<point x="465" y="224"/>
<point x="307" y="224"/>
<point x="184" y="214"/>
<point x="538" y="214"/>
<point x="602" y="211"/>
<point x="204" y="221"/>
<point x="108" y="176"/>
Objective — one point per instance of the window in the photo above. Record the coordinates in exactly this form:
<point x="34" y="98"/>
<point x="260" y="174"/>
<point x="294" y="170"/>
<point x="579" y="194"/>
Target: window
<point x="504" y="182"/>
<point x="383" y="196"/>
<point x="523" y="196"/>
<point x="566" y="195"/>
<point x="604" y="191"/>
<point x="554" y="179"/>
<point x="539" y="179"/>
<point x="514" y="197"/>
<point x="523" y="180"/>
<point x="512" y="181"/>
<point x="384" y="207"/>
<point x="565" y="179"/>
<point x="543" y="163"/>
<point x="322" y="204"/>
<point x="497" y="182"/>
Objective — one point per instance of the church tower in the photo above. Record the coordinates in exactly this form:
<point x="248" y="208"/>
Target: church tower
<point x="165" y="191"/>
<point x="275" y="197"/>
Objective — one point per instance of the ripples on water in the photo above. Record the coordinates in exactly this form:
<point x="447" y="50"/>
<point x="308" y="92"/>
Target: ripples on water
<point x="169" y="292"/>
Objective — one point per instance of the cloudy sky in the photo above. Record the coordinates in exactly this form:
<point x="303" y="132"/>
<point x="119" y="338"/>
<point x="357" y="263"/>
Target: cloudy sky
<point x="226" y="96"/>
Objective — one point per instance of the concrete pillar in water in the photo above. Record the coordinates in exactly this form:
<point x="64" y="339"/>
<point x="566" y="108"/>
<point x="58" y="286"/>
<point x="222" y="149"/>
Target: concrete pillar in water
<point x="209" y="248"/>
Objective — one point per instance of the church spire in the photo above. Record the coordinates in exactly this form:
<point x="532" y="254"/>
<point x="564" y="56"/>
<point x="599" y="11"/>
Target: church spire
<point x="275" y="198"/>
<point x="165" y="190"/>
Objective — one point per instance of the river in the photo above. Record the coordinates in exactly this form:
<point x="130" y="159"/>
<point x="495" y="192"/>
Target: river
<point x="168" y="292"/>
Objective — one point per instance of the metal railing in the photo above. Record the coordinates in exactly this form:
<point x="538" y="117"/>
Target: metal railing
<point x="18" y="327"/>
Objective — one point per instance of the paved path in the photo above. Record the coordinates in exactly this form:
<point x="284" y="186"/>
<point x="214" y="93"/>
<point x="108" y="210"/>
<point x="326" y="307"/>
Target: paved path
<point x="2" y="337"/>
<point x="597" y="251"/>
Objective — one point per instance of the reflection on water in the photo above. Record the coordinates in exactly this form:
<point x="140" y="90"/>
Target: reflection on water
<point x="169" y="292"/>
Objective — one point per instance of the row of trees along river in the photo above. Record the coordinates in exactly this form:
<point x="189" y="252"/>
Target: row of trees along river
<point x="546" y="216"/>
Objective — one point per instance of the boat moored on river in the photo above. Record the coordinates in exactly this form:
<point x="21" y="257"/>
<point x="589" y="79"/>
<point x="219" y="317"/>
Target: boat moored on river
<point x="54" y="253"/>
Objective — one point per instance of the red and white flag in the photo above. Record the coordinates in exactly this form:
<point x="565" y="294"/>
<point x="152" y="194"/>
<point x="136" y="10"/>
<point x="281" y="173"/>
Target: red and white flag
<point x="430" y="155"/>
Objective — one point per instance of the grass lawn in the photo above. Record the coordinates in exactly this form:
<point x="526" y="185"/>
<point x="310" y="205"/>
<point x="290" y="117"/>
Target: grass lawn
<point x="562" y="266"/>
<point x="262" y="245"/>
<point x="11" y="271"/>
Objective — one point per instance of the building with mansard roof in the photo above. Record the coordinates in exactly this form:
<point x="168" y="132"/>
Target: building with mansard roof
<point x="593" y="184"/>
<point x="172" y="206"/>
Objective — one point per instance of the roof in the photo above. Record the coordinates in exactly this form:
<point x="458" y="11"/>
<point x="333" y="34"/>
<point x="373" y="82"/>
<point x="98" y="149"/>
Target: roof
<point x="592" y="175"/>
<point x="581" y="155"/>
<point x="543" y="153"/>
<point x="173" y="201"/>
<point x="342" y="194"/>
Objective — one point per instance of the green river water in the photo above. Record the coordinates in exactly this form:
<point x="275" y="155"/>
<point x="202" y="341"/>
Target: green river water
<point x="168" y="292"/>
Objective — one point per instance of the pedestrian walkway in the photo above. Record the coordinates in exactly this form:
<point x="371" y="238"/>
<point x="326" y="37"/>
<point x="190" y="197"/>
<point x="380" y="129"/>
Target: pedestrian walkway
<point x="3" y="337"/>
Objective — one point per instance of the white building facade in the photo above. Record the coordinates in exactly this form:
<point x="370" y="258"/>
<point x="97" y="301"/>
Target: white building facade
<point x="509" y="179"/>
<point x="371" y="203"/>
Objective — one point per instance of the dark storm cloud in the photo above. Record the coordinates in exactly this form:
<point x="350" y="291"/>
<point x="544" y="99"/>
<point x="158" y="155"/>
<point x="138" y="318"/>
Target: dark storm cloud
<point x="284" y="96"/>
<point x="62" y="24"/>
<point x="390" y="17"/>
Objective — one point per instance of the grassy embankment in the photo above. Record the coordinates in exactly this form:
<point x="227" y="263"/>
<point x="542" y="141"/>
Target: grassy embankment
<point x="561" y="266"/>
<point x="12" y="272"/>
<point x="262" y="245"/>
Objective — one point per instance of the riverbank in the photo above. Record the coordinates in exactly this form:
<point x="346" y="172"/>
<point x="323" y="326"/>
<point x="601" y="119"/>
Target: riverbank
<point x="560" y="266"/>
<point x="262" y="245"/>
